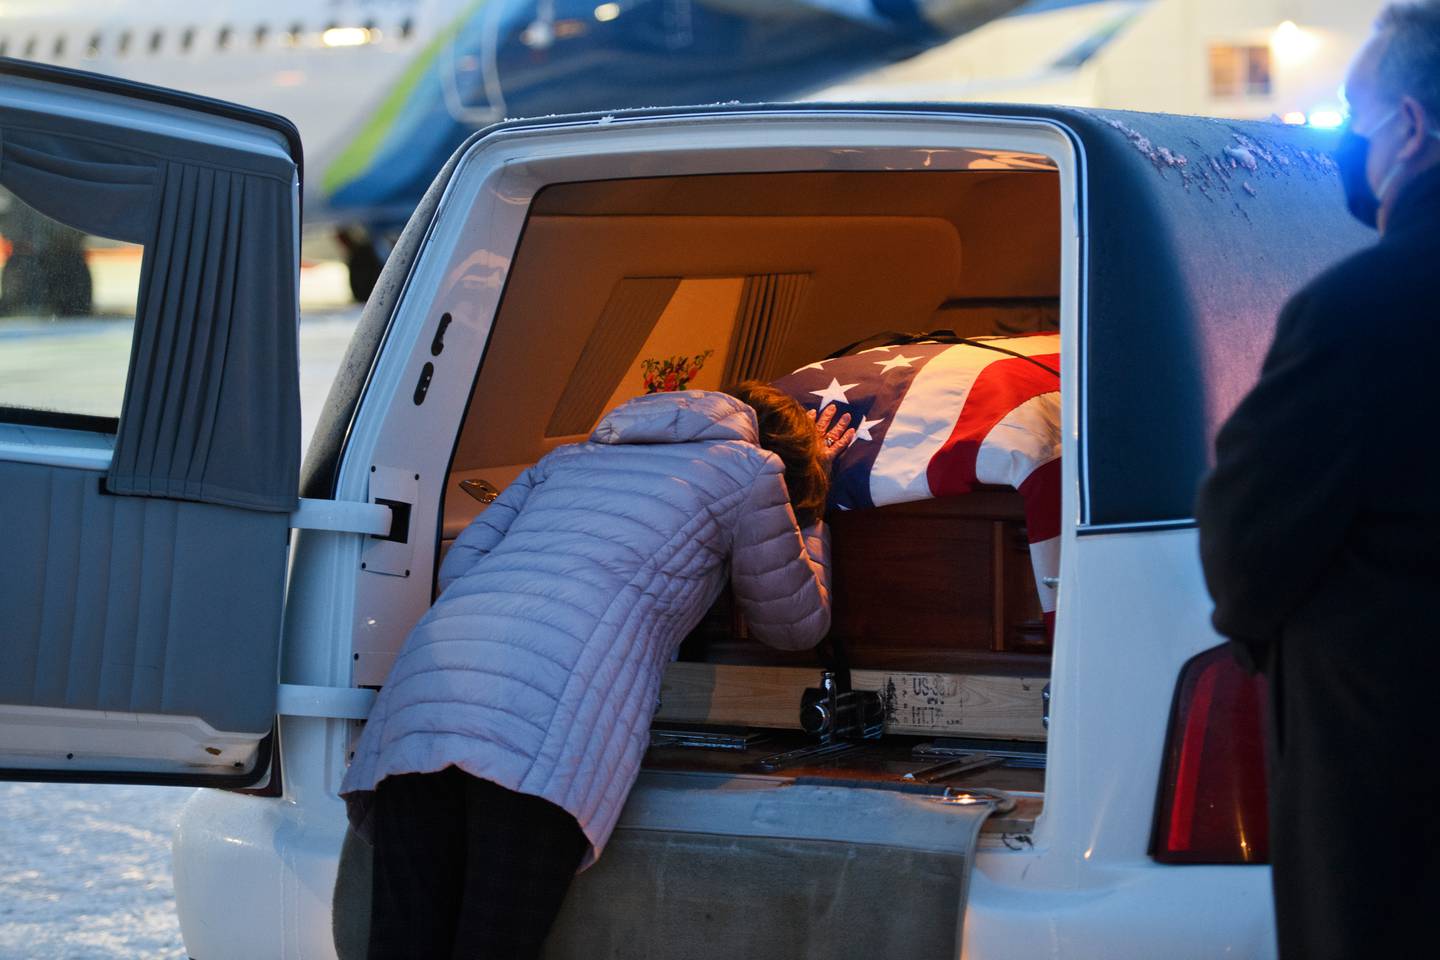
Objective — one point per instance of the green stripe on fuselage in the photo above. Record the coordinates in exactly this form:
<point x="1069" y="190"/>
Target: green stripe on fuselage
<point x="360" y="153"/>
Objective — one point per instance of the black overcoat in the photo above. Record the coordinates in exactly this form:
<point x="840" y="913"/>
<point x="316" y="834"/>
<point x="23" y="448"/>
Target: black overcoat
<point x="1320" y="538"/>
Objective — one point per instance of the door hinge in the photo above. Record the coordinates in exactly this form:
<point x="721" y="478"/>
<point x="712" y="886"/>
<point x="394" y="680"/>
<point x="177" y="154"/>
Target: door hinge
<point x="343" y="516"/>
<point x="333" y="703"/>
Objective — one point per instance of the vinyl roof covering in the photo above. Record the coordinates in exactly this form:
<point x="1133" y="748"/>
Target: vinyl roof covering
<point x="1195" y="232"/>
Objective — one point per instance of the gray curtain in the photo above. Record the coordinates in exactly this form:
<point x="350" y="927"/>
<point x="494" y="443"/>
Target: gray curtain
<point x="68" y="182"/>
<point x="212" y="402"/>
<point x="769" y="304"/>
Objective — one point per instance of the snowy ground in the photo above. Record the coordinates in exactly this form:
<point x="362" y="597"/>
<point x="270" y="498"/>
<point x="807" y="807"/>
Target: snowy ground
<point x="85" y="870"/>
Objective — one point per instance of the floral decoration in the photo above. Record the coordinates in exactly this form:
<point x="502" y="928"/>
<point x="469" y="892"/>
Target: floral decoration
<point x="671" y="373"/>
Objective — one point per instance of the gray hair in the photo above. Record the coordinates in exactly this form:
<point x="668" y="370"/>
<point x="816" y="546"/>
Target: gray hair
<point x="1411" y="63"/>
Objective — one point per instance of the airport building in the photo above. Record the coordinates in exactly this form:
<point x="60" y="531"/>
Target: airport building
<point x="1248" y="59"/>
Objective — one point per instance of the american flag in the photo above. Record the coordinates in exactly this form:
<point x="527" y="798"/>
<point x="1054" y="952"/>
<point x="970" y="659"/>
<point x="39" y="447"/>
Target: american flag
<point x="935" y="419"/>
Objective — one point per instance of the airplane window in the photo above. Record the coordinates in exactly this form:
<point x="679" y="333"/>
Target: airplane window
<point x="30" y="48"/>
<point x="262" y="32"/>
<point x="59" y="50"/>
<point x="187" y="39"/>
<point x="222" y="39"/>
<point x="407" y="27"/>
<point x="157" y="39"/>
<point x="92" y="49"/>
<point x="4" y="46"/>
<point x="293" y="35"/>
<point x="122" y="46"/>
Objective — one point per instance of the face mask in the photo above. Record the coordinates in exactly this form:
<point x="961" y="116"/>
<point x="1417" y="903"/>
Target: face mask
<point x="1351" y="157"/>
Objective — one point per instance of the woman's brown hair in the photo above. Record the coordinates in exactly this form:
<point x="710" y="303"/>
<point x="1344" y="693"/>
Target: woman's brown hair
<point x="788" y="431"/>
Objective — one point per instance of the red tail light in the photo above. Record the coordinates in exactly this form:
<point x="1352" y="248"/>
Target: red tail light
<point x="1212" y="805"/>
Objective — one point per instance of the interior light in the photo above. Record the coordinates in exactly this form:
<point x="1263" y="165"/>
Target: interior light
<point x="1327" y="118"/>
<point x="1296" y="118"/>
<point x="607" y="12"/>
<point x="1292" y="44"/>
<point x="345" y="37"/>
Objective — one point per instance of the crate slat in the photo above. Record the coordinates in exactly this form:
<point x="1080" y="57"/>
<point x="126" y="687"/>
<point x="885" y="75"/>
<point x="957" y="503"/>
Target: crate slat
<point x="938" y="704"/>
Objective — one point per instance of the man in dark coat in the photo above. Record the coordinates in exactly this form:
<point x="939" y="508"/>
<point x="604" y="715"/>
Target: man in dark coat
<point x="1320" y="536"/>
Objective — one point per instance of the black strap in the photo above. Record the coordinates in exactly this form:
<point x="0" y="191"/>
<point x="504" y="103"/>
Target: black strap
<point x="890" y="338"/>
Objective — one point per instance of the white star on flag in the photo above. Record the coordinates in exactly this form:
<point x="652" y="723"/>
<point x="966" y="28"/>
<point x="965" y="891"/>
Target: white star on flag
<point x="874" y="349"/>
<point x="862" y="432"/>
<point x="899" y="360"/>
<point x="835" y="393"/>
<point x="811" y="366"/>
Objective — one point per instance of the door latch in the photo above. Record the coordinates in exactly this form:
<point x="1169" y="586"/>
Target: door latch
<point x="482" y="490"/>
<point x="392" y="553"/>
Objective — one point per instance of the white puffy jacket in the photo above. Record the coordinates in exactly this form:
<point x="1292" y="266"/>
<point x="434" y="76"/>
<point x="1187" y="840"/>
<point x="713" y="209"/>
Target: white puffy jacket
<point x="539" y="665"/>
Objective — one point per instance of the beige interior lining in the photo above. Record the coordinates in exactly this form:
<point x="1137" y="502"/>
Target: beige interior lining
<point x="867" y="273"/>
<point x="880" y="250"/>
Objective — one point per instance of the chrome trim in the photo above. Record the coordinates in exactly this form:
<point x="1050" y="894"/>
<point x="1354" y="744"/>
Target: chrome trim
<point x="1148" y="526"/>
<point x="1082" y="338"/>
<point x="56" y="447"/>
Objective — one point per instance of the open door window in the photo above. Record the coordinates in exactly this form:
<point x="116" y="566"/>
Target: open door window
<point x="149" y="452"/>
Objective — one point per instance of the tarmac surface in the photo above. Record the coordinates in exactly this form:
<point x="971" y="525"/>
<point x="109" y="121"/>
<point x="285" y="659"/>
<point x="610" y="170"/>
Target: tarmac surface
<point x="85" y="872"/>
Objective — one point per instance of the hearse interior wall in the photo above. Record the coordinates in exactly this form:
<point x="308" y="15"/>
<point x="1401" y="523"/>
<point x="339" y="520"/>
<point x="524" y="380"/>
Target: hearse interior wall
<point x="476" y="239"/>
<point x="877" y="251"/>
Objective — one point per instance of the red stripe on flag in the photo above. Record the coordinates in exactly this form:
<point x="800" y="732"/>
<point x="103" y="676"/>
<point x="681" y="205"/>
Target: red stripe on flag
<point x="1041" y="491"/>
<point x="999" y="389"/>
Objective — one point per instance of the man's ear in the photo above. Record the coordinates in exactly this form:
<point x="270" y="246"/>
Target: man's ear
<point x="1418" y="124"/>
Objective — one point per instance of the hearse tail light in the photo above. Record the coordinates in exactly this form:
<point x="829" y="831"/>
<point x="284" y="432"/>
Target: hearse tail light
<point x="1212" y="805"/>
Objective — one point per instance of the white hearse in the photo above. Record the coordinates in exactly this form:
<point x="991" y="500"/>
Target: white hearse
<point x="182" y="602"/>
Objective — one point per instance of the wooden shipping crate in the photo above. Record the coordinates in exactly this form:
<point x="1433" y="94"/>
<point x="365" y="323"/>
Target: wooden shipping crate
<point x="934" y="607"/>
<point x="937" y="585"/>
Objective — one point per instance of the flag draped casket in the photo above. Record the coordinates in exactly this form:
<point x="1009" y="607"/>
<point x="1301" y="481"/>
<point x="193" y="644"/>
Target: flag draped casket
<point x="935" y="419"/>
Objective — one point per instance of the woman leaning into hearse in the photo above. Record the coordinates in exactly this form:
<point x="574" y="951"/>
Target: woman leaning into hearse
<point x="512" y="726"/>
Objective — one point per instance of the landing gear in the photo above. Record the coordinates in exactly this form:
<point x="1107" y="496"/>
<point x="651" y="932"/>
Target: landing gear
<point x="364" y="258"/>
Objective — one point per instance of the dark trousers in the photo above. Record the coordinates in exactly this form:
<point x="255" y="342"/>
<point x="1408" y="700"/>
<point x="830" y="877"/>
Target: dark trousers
<point x="467" y="869"/>
<point x="1354" y="827"/>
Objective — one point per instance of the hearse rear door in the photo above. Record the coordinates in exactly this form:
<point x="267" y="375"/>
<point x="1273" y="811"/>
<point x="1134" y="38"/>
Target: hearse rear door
<point x="142" y="580"/>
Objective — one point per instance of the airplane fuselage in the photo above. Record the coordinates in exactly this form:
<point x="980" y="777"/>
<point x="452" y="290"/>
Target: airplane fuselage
<point x="384" y="90"/>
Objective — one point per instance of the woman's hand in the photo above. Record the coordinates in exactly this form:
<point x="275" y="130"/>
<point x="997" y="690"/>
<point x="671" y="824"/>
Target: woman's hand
<point x="834" y="437"/>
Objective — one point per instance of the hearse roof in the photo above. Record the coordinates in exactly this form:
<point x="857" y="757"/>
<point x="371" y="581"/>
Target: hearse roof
<point x="1195" y="231"/>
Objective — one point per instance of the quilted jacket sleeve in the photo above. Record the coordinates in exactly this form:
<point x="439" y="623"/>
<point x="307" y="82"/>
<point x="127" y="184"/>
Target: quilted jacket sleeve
<point x="780" y="574"/>
<point x="486" y="530"/>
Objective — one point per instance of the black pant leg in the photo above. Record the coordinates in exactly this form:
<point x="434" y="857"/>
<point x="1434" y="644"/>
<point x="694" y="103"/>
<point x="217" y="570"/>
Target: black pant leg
<point x="419" y="822"/>
<point x="1355" y="862"/>
<point x="522" y="853"/>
